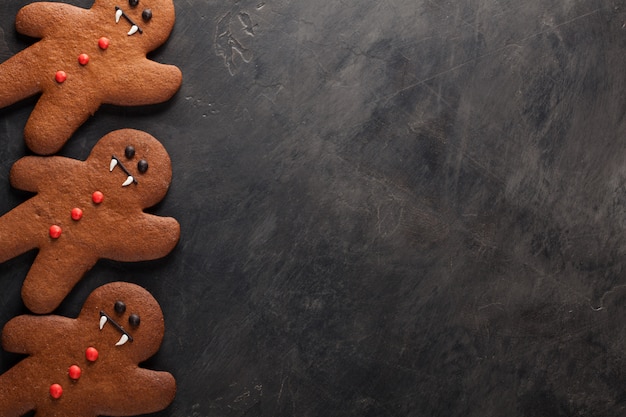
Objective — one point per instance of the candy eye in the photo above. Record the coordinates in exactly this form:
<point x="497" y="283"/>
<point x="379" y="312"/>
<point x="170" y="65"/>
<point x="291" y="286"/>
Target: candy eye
<point x="134" y="320"/>
<point x="119" y="307"/>
<point x="146" y="15"/>
<point x="129" y="152"/>
<point x="133" y="3"/>
<point x="142" y="166"/>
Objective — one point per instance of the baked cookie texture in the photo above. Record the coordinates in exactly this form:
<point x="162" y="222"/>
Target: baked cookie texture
<point x="85" y="58"/>
<point x="88" y="366"/>
<point x="87" y="210"/>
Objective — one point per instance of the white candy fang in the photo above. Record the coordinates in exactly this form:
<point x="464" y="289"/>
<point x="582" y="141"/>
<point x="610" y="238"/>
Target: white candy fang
<point x="128" y="181"/>
<point x="133" y="30"/>
<point x="113" y="164"/>
<point x="122" y="340"/>
<point x="103" y="321"/>
<point x="118" y="15"/>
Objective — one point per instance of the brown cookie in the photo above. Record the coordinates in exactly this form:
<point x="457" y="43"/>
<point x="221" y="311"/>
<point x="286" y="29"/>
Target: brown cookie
<point x="87" y="210"/>
<point x="87" y="57"/>
<point x="88" y="366"/>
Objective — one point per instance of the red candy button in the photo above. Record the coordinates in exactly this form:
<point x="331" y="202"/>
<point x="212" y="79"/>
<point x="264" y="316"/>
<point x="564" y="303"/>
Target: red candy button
<point x="77" y="214"/>
<point x="83" y="59"/>
<point x="60" y="76"/>
<point x="97" y="197"/>
<point x="74" y="372"/>
<point x="56" y="391"/>
<point x="55" y="231"/>
<point x="103" y="43"/>
<point x="91" y="354"/>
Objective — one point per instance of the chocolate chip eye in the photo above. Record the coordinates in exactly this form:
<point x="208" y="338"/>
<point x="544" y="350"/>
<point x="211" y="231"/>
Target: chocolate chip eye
<point x="133" y="320"/>
<point x="142" y="166"/>
<point x="129" y="152"/>
<point x="119" y="307"/>
<point x="146" y="15"/>
<point x="133" y="3"/>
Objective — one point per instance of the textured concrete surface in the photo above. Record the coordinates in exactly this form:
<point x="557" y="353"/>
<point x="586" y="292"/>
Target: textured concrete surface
<point x="388" y="208"/>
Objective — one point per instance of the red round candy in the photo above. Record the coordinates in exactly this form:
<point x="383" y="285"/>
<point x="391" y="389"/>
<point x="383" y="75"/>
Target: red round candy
<point x="83" y="59"/>
<point x="77" y="213"/>
<point x="103" y="43"/>
<point x="91" y="354"/>
<point x="74" y="372"/>
<point x="60" y="76"/>
<point x="97" y="197"/>
<point x="55" y="231"/>
<point x="56" y="391"/>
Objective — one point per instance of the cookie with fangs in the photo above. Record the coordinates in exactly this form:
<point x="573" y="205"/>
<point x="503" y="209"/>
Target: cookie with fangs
<point x="87" y="210"/>
<point x="88" y="366"/>
<point x="85" y="58"/>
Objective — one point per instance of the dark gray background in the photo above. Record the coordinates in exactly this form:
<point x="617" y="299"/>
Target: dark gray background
<point x="388" y="208"/>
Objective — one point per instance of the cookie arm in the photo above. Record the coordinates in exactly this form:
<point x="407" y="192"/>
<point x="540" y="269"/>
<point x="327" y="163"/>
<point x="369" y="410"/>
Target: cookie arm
<point x="151" y="237"/>
<point x="145" y="392"/>
<point x="16" y="83"/>
<point x="15" y="334"/>
<point x="30" y="334"/>
<point x="37" y="19"/>
<point x="30" y="172"/>
<point x="149" y="83"/>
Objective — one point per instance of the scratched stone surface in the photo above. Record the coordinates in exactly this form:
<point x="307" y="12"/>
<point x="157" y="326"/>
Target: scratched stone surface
<point x="388" y="208"/>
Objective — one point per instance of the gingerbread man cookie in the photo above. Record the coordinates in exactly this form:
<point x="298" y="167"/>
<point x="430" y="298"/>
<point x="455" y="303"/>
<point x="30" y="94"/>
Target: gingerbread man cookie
<point x="87" y="210"/>
<point x="85" y="58"/>
<point x="88" y="366"/>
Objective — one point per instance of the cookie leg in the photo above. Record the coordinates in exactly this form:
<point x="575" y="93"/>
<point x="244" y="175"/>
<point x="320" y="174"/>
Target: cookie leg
<point x="16" y="393"/>
<point x="16" y="83"/>
<point x="54" y="119"/>
<point x="52" y="276"/>
<point x="17" y="236"/>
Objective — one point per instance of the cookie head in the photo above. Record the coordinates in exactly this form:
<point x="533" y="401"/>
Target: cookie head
<point x="132" y="165"/>
<point x="127" y="320"/>
<point x="148" y="22"/>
